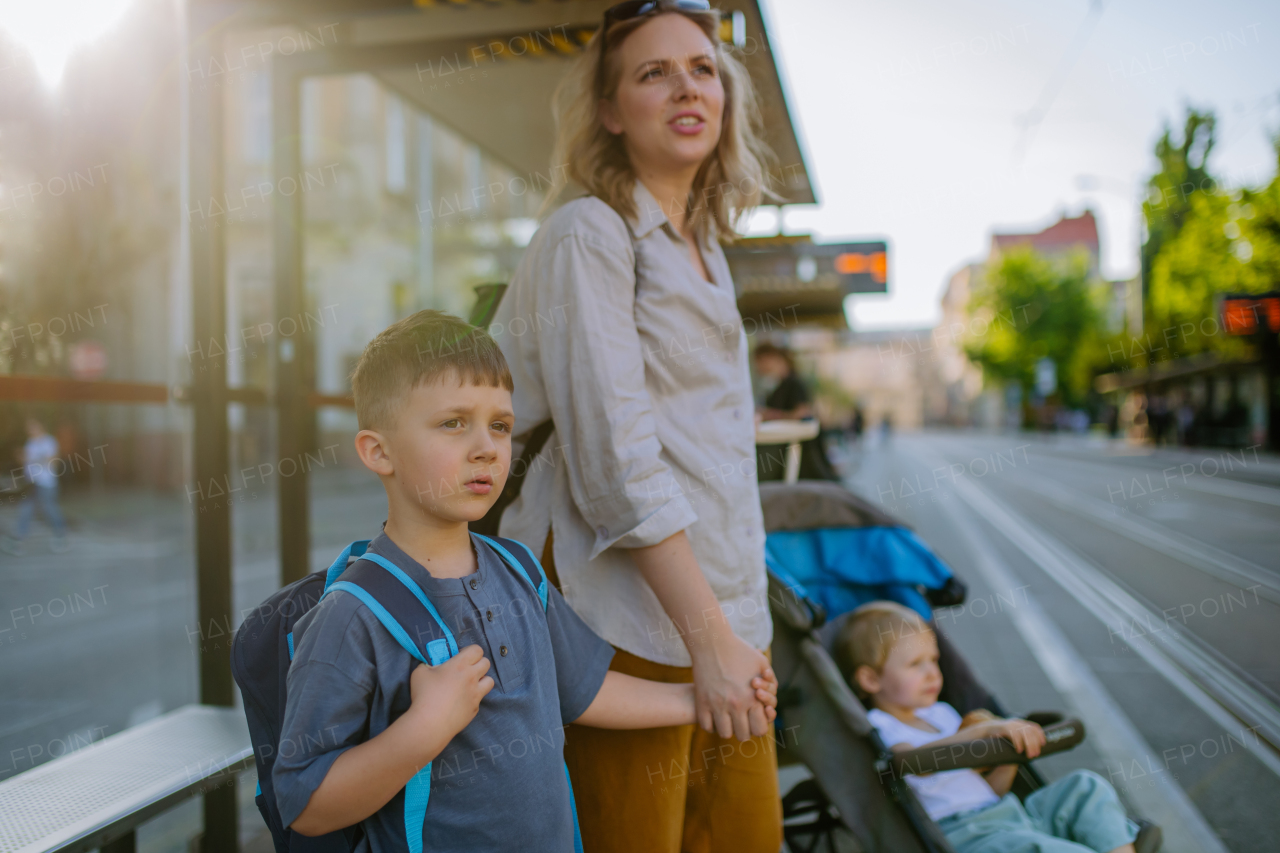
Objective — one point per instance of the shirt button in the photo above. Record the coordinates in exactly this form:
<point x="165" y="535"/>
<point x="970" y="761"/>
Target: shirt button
<point x="602" y="532"/>
<point x="503" y="650"/>
<point x="474" y="583"/>
<point x="737" y="414"/>
<point x="489" y="615"/>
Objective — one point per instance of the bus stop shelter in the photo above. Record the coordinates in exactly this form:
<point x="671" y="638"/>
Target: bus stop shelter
<point x="418" y="50"/>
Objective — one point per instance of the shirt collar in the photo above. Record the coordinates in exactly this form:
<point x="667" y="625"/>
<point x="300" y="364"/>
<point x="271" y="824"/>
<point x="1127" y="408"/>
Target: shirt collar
<point x="383" y="545"/>
<point x="649" y="213"/>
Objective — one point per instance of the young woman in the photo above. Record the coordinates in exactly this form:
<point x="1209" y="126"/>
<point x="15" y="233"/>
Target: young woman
<point x="621" y="326"/>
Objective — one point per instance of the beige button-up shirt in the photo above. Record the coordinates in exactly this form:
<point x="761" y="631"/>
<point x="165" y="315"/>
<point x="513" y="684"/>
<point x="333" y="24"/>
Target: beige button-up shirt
<point x="642" y="365"/>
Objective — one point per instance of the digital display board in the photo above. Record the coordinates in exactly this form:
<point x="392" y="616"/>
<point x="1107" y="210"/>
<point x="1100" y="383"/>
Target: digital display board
<point x="1248" y="314"/>
<point x="789" y="264"/>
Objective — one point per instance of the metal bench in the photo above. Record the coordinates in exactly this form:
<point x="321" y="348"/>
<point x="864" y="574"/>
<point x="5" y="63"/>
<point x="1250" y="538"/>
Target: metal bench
<point x="97" y="796"/>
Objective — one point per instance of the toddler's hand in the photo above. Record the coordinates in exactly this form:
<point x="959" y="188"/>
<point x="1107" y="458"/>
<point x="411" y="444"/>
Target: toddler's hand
<point x="448" y="696"/>
<point x="1027" y="737"/>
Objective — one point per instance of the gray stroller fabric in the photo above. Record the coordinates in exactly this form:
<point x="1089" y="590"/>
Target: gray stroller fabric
<point x="824" y="726"/>
<point x="813" y="504"/>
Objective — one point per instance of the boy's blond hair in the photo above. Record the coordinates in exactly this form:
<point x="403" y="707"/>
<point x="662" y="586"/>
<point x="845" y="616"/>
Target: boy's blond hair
<point x="419" y="349"/>
<point x="869" y="635"/>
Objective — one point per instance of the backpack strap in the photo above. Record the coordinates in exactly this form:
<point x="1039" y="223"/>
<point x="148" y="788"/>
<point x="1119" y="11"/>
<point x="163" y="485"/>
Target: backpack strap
<point x="408" y="583"/>
<point x="518" y="555"/>
<point x="382" y="591"/>
<point x="338" y="566"/>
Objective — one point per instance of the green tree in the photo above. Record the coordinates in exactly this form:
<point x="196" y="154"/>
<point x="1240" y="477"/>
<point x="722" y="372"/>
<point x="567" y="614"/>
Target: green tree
<point x="1036" y="308"/>
<point x="1183" y="175"/>
<point x="1229" y="242"/>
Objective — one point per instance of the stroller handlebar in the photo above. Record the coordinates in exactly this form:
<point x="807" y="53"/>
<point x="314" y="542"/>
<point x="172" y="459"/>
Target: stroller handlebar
<point x="985" y="752"/>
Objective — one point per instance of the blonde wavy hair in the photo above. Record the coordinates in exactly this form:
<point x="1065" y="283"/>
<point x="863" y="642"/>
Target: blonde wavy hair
<point x="732" y="180"/>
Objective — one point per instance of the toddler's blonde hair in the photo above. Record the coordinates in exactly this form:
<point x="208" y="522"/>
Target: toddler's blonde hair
<point x="869" y="635"/>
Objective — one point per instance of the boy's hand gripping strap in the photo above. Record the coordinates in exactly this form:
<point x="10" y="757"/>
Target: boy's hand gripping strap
<point x="418" y="790"/>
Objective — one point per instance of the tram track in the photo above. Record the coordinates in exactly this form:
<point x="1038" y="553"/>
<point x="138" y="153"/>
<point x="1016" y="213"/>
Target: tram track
<point x="1158" y="537"/>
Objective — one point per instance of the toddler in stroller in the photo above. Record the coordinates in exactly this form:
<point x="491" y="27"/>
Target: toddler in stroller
<point x="830" y="552"/>
<point x="889" y="655"/>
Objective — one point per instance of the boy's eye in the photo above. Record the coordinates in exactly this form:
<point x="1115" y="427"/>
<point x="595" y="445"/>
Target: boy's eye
<point x="500" y="426"/>
<point x="651" y="73"/>
<point x="452" y="423"/>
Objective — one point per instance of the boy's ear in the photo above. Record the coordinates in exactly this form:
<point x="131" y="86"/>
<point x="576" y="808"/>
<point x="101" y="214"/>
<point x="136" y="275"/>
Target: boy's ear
<point x="372" y="449"/>
<point x="868" y="679"/>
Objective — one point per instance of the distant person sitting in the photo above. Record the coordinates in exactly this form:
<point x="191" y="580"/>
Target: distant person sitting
<point x="38" y="457"/>
<point x="787" y="398"/>
<point x="889" y="655"/>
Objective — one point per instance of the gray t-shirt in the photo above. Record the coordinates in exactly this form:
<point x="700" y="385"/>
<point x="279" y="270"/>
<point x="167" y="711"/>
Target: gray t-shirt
<point x="500" y="784"/>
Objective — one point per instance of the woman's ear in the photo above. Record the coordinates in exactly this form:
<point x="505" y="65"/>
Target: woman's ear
<point x="868" y="679"/>
<point x="372" y="449"/>
<point x="608" y="114"/>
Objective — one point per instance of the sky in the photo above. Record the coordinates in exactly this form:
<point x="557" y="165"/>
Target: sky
<point x="917" y="119"/>
<point x="931" y="123"/>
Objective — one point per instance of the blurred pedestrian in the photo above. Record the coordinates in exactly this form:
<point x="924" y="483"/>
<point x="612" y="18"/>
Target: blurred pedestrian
<point x="788" y="398"/>
<point x="37" y="458"/>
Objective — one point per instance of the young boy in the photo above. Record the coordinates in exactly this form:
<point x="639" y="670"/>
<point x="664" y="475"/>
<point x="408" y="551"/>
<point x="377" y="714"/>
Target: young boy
<point x="362" y="717"/>
<point x="890" y="655"/>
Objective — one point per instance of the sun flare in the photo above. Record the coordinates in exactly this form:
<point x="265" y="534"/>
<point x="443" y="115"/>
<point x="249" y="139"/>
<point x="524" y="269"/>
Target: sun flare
<point x="50" y="30"/>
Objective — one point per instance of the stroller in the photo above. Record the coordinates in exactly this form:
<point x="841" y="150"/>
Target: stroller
<point x="829" y="551"/>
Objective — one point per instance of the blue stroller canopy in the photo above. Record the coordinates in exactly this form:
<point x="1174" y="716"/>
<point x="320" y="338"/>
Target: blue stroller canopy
<point x="842" y="551"/>
<point x="844" y="567"/>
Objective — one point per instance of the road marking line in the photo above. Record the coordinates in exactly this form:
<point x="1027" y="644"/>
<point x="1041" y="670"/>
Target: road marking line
<point x="1110" y="730"/>
<point x="1192" y="670"/>
<point x="1183" y="548"/>
<point x="1236" y="490"/>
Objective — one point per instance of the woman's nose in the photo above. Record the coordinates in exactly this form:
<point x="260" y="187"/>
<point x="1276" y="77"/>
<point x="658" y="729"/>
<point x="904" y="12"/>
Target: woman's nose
<point x="682" y="87"/>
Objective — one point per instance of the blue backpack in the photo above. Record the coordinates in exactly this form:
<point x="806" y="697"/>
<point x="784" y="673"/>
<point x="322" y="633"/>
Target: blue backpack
<point x="263" y="648"/>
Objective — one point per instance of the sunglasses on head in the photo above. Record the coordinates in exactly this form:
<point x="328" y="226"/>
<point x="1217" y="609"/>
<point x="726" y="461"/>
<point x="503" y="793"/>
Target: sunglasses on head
<point x="632" y="9"/>
<point x="639" y="8"/>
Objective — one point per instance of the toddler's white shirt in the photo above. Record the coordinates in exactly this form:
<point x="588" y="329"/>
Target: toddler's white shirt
<point x="946" y="793"/>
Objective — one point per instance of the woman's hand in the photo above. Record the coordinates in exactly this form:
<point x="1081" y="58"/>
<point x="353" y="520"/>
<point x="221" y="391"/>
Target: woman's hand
<point x="723" y="665"/>
<point x="725" y="674"/>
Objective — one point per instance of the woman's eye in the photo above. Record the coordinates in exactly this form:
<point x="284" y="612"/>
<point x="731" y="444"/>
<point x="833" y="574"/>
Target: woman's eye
<point x="651" y="73"/>
<point x="704" y="68"/>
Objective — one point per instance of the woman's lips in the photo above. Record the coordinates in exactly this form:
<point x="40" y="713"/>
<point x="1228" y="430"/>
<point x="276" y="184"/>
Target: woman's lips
<point x="692" y="128"/>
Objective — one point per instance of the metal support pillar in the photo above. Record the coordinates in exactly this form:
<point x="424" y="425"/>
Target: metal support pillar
<point x="209" y="398"/>
<point x="294" y="356"/>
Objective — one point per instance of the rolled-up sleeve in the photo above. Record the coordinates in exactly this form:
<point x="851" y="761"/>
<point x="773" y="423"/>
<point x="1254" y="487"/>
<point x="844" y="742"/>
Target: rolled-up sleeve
<point x="594" y="372"/>
<point x="327" y="711"/>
